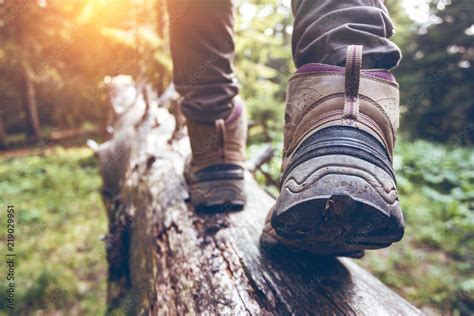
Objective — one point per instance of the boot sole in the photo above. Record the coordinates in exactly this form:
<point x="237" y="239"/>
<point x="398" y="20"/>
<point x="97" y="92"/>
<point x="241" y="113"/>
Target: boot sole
<point x="338" y="204"/>
<point x="269" y="240"/>
<point x="218" y="195"/>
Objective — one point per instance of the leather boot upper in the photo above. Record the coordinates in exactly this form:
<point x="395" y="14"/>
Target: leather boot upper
<point x="351" y="97"/>
<point x="220" y="142"/>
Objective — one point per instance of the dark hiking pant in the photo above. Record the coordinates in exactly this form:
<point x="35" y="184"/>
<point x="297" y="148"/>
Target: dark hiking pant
<point x="202" y="46"/>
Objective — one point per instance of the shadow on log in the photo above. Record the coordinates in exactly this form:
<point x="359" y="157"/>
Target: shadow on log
<point x="166" y="259"/>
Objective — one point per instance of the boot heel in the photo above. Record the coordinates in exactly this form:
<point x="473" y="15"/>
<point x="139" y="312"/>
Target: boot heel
<point x="218" y="195"/>
<point x="339" y="203"/>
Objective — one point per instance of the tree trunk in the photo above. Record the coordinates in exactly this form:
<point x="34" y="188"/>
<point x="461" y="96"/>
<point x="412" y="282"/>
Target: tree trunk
<point x="30" y="105"/>
<point x="166" y="259"/>
<point x="3" y="134"/>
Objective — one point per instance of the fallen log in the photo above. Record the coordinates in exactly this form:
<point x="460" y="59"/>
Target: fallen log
<point x="167" y="259"/>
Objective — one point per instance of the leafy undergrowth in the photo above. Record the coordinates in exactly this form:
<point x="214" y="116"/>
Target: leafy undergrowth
<point x="432" y="266"/>
<point x="61" y="262"/>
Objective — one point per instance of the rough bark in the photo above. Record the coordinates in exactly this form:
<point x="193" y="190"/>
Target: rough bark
<point x="166" y="259"/>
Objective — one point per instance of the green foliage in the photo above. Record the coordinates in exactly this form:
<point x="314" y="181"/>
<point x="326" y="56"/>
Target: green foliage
<point x="444" y="178"/>
<point x="436" y="75"/>
<point x="263" y="64"/>
<point x="437" y="194"/>
<point x="60" y="259"/>
<point x="404" y="26"/>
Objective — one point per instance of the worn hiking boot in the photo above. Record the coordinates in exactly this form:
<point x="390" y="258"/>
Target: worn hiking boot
<point x="338" y="194"/>
<point x="215" y="172"/>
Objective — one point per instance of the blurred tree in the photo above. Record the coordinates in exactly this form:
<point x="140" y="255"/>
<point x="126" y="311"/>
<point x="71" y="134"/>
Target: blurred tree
<point x="436" y="75"/>
<point x="18" y="39"/>
<point x="56" y="53"/>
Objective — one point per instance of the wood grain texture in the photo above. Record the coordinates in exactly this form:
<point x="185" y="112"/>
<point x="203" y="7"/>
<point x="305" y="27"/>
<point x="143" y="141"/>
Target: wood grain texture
<point x="167" y="259"/>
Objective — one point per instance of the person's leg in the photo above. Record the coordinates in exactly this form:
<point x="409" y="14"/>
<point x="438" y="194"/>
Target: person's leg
<point x="338" y="193"/>
<point x="324" y="28"/>
<point x="202" y="49"/>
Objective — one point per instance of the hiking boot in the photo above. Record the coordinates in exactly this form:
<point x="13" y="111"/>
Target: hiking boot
<point x="215" y="172"/>
<point x="337" y="192"/>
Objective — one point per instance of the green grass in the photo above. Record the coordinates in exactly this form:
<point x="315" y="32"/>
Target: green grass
<point x="432" y="266"/>
<point x="60" y="217"/>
